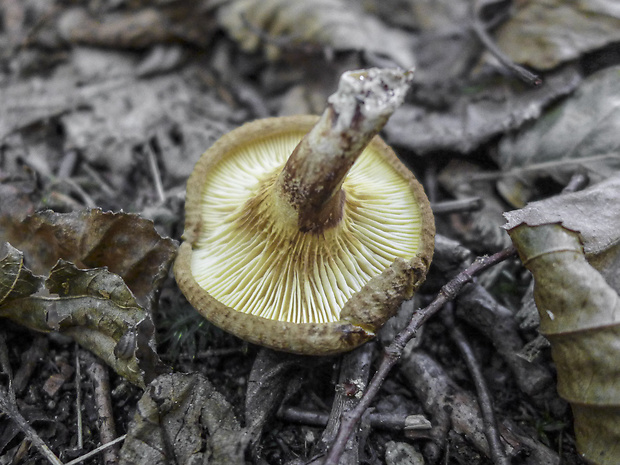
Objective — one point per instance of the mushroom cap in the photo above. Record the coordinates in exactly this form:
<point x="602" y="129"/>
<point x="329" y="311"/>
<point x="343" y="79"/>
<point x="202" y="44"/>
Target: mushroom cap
<point x="246" y="267"/>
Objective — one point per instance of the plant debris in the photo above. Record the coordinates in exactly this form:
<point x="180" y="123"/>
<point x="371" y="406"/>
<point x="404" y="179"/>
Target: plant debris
<point x="106" y="108"/>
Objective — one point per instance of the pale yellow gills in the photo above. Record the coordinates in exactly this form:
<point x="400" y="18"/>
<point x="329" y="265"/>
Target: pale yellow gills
<point x="248" y="268"/>
<point x="252" y="259"/>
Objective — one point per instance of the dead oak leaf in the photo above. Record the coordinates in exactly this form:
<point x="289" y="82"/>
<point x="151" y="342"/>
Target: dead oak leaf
<point x="125" y="243"/>
<point x="182" y="418"/>
<point x="546" y="33"/>
<point x="274" y="25"/>
<point x="16" y="281"/>
<point x="105" y="309"/>
<point x="94" y="307"/>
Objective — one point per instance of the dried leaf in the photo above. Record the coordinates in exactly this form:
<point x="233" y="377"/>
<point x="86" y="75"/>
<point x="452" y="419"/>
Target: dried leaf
<point x="334" y="24"/>
<point x="106" y="116"/>
<point x="28" y="102"/>
<point x="594" y="212"/>
<point x="126" y="244"/>
<point x="104" y="309"/>
<point x="183" y="419"/>
<point x="95" y="308"/>
<point x="481" y="230"/>
<point x="130" y="29"/>
<point x="16" y="281"/>
<point x="139" y="27"/>
<point x="562" y="241"/>
<point x="579" y="134"/>
<point x="545" y="33"/>
<point x="580" y="316"/>
<point x="484" y="110"/>
<point x="439" y="15"/>
<point x="17" y="197"/>
<point x="446" y="46"/>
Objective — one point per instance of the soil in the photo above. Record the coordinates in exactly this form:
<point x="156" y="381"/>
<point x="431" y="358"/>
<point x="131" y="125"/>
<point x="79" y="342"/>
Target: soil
<point x="114" y="114"/>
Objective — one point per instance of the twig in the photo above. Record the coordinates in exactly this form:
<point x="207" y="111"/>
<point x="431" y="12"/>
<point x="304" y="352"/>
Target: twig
<point x="108" y="190"/>
<point x="577" y="182"/>
<point x="487" y="41"/>
<point x="478" y="308"/>
<point x="562" y="163"/>
<point x="484" y="396"/>
<point x="67" y="164"/>
<point x="56" y="181"/>
<point x="107" y="429"/>
<point x="97" y="450"/>
<point x="455" y="408"/>
<point x="392" y="353"/>
<point x="159" y="188"/>
<point x="457" y="206"/>
<point x="385" y="421"/>
<point x="78" y="397"/>
<point x="353" y="378"/>
<point x="77" y="189"/>
<point x="33" y="355"/>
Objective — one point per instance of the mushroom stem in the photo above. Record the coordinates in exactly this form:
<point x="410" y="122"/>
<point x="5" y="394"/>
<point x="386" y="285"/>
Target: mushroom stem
<point x="312" y="178"/>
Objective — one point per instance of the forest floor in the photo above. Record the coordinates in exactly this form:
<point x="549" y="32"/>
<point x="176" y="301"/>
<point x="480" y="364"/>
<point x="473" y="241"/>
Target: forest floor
<point x="105" y="107"/>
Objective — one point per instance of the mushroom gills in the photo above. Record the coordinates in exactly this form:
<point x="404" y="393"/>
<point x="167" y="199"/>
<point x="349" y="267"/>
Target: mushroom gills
<point x="252" y="257"/>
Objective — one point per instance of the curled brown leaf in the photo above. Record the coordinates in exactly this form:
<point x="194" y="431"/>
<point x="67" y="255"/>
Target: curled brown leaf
<point x="105" y="309"/>
<point x="579" y="314"/>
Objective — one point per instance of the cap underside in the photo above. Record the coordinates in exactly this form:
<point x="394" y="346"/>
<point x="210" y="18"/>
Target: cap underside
<point x="251" y="261"/>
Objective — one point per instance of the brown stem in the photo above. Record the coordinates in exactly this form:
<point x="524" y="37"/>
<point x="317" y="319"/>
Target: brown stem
<point x="354" y="374"/>
<point x="9" y="407"/>
<point x="384" y="421"/>
<point x="312" y="177"/>
<point x="484" y="37"/>
<point x="485" y="402"/>
<point x="452" y="407"/>
<point x="392" y="353"/>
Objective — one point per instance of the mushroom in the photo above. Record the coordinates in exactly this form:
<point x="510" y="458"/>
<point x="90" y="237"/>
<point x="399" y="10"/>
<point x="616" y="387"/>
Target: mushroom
<point x="306" y="233"/>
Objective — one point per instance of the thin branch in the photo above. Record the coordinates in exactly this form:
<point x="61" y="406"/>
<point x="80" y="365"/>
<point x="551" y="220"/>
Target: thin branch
<point x="469" y="204"/>
<point x="352" y="381"/>
<point x="385" y="421"/>
<point x="30" y="359"/>
<point x="577" y="182"/>
<point x="544" y="166"/>
<point x="97" y="450"/>
<point x="98" y="374"/>
<point x="102" y="184"/>
<point x="8" y="405"/>
<point x="78" y="397"/>
<point x="484" y="37"/>
<point x="484" y="396"/>
<point x="77" y="189"/>
<point x="478" y="308"/>
<point x="457" y="409"/>
<point x="392" y="353"/>
<point x="155" y="173"/>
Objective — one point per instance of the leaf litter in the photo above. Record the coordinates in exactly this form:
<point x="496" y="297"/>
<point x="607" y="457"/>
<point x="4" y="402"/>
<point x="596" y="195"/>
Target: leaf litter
<point x="101" y="308"/>
<point x="563" y="241"/>
<point x="96" y="115"/>
<point x="578" y="134"/>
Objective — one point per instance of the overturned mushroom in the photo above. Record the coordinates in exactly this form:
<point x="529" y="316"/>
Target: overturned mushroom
<point x="305" y="234"/>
